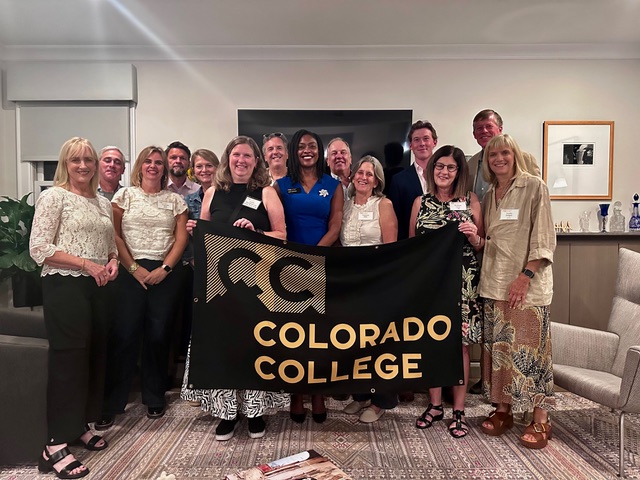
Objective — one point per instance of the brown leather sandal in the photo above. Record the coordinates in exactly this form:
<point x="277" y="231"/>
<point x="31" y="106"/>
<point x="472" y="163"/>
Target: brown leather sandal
<point x="540" y="431"/>
<point x="501" y="421"/>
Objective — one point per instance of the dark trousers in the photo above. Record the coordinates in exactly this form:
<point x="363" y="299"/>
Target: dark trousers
<point x="77" y="314"/>
<point x="187" y="309"/>
<point x="386" y="401"/>
<point x="144" y="317"/>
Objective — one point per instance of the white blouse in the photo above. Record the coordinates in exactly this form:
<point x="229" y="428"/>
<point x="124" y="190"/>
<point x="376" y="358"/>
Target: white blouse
<point x="68" y="222"/>
<point x="149" y="221"/>
<point x="361" y="223"/>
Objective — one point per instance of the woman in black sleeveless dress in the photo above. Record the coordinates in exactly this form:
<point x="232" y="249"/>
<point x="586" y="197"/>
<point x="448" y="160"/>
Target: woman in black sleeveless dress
<point x="242" y="196"/>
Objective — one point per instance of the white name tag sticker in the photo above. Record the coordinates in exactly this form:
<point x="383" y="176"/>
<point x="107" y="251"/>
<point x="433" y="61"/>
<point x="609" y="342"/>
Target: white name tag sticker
<point x="365" y="215"/>
<point x="509" y="213"/>
<point x="165" y="206"/>
<point x="251" y="203"/>
<point x="458" y="206"/>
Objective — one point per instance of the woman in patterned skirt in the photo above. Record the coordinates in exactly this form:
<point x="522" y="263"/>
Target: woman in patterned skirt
<point x="517" y="286"/>
<point x="204" y="164"/>
<point x="447" y="201"/>
<point x="241" y="195"/>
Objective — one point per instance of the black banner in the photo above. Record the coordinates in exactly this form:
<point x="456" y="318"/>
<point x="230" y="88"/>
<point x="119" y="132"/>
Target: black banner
<point x="275" y="315"/>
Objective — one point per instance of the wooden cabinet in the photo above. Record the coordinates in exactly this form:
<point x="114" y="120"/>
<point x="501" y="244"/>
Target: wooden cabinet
<point x="584" y="276"/>
<point x="585" y="267"/>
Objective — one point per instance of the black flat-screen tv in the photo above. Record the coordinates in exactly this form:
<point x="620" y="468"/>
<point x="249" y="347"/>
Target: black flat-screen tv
<point x="366" y="131"/>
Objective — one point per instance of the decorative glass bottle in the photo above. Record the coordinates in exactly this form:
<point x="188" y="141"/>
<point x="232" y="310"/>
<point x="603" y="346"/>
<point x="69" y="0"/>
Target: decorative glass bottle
<point x="604" y="211"/>
<point x="634" y="221"/>
<point x="617" y="219"/>
<point x="585" y="217"/>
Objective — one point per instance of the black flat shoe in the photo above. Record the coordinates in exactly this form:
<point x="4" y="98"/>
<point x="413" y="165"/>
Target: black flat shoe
<point x="105" y="423"/>
<point x="226" y="429"/>
<point x="257" y="427"/>
<point x="45" y="465"/>
<point x="155" y="412"/>
<point x="298" y="417"/>
<point x="319" y="417"/>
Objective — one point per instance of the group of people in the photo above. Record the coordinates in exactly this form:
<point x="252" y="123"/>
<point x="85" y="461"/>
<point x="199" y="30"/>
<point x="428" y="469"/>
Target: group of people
<point x="100" y="242"/>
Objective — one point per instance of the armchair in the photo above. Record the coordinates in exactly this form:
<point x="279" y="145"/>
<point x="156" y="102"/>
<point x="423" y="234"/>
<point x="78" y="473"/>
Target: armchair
<point x="605" y="366"/>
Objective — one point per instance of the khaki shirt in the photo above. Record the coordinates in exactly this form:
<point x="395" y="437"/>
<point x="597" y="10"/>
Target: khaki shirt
<point x="510" y="244"/>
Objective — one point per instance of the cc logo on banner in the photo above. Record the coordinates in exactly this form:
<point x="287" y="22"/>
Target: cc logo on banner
<point x="284" y="281"/>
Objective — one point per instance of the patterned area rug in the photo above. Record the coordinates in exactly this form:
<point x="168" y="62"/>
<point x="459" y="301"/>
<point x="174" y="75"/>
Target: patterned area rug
<point x="584" y="445"/>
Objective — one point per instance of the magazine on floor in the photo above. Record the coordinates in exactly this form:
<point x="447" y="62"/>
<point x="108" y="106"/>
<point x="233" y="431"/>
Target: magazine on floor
<point x="308" y="465"/>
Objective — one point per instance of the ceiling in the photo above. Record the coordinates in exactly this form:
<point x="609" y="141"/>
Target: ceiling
<point x="51" y="29"/>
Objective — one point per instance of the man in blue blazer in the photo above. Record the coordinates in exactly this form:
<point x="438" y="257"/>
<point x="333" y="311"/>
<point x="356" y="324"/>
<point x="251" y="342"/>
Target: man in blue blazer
<point x="411" y="183"/>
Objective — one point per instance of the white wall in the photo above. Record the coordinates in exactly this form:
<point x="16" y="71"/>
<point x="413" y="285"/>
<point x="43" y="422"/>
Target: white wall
<point x="196" y="102"/>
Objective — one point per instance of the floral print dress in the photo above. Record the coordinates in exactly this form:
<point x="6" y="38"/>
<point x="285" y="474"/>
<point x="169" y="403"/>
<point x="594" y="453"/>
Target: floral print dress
<point x="434" y="214"/>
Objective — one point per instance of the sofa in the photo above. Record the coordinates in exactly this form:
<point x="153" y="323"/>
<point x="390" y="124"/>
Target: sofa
<point x="23" y="385"/>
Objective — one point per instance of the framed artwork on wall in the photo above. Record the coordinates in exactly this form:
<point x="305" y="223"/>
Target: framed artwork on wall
<point x="578" y="159"/>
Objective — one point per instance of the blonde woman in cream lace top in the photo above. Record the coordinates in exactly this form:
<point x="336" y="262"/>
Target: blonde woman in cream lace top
<point x="73" y="237"/>
<point x="368" y="219"/>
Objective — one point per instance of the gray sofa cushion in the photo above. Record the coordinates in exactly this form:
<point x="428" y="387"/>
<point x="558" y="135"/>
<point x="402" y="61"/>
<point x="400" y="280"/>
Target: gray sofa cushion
<point x="22" y="322"/>
<point x="23" y="397"/>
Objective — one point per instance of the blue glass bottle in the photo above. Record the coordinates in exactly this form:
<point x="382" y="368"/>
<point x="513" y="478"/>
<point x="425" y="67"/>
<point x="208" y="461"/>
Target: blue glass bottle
<point x="634" y="221"/>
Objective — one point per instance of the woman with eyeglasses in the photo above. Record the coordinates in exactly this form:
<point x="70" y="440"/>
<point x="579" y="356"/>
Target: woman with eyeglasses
<point x="313" y="211"/>
<point x="447" y="201"/>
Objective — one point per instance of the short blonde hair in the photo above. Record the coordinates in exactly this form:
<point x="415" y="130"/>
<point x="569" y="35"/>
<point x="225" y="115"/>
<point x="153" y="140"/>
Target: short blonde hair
<point x="502" y="141"/>
<point x="378" y="171"/>
<point x="205" y="154"/>
<point x="73" y="148"/>
<point x="136" y="171"/>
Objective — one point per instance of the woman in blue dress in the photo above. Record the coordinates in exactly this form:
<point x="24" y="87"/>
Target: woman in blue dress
<point x="313" y="212"/>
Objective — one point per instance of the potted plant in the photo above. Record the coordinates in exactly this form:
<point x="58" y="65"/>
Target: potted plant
<point x="16" y="217"/>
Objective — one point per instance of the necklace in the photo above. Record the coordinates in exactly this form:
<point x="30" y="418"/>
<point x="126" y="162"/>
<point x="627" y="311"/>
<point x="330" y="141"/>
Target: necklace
<point x="444" y="198"/>
<point x="501" y="191"/>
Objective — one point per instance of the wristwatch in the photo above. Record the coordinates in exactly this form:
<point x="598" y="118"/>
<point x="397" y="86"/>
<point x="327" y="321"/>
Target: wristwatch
<point x="528" y="272"/>
<point x="133" y="267"/>
<point x="166" y="268"/>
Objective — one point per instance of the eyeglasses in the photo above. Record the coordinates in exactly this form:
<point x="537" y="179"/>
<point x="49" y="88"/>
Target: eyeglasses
<point x="450" y="168"/>
<point x="269" y="136"/>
